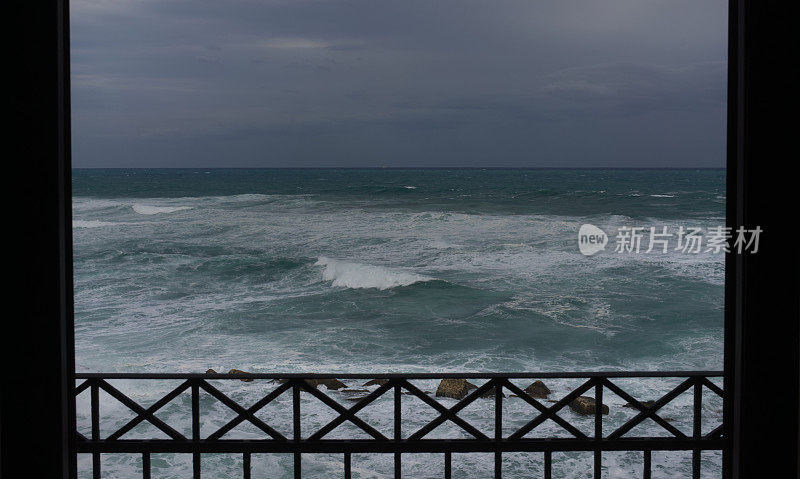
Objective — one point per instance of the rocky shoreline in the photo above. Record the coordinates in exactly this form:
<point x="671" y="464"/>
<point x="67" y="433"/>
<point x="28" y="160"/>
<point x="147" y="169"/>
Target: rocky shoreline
<point x="453" y="388"/>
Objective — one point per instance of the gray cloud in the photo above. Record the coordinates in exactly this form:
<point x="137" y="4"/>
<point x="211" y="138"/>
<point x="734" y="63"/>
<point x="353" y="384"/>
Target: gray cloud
<point x="412" y="83"/>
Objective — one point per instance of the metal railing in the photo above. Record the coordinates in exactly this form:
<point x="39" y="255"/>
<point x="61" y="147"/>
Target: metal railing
<point x="301" y="442"/>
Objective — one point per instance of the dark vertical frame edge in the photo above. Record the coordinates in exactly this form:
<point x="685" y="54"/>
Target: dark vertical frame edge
<point x="762" y="291"/>
<point x="733" y="217"/>
<point x="66" y="299"/>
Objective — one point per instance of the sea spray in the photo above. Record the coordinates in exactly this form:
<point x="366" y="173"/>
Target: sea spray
<point x="361" y="276"/>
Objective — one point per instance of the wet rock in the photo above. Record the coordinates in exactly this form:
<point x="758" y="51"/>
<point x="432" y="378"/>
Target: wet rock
<point x="210" y="371"/>
<point x="454" y="388"/>
<point x="585" y="405"/>
<point x="375" y="382"/>
<point x="331" y="383"/>
<point x="354" y="395"/>
<point x="538" y="390"/>
<point x="239" y="371"/>
<point x="354" y="391"/>
<point x="644" y="403"/>
<point x="459" y="388"/>
<point x="354" y="398"/>
<point x="490" y="394"/>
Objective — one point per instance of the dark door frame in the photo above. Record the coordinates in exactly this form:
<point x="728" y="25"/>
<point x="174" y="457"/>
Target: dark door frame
<point x="762" y="291"/>
<point x="762" y="294"/>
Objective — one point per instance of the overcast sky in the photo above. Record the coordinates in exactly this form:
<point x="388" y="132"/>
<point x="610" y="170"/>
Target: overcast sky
<point x="463" y="83"/>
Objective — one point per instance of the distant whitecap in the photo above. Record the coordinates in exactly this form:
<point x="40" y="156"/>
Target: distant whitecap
<point x="90" y="223"/>
<point x="154" y="210"/>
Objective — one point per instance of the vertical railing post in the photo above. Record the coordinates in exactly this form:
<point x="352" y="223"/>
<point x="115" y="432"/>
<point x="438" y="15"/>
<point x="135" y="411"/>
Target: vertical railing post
<point x="298" y="473"/>
<point x="145" y="465"/>
<point x="246" y="465"/>
<point x="398" y="431"/>
<point x="697" y="426"/>
<point x="448" y="465"/>
<point x="196" y="428"/>
<point x="95" y="405"/>
<point x="548" y="465"/>
<point x="647" y="466"/>
<point x="347" y="466"/>
<point x="498" y="427"/>
<point x="598" y="427"/>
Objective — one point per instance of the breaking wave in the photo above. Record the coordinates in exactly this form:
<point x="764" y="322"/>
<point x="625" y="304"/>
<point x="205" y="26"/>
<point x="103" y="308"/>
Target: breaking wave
<point x="363" y="276"/>
<point x="90" y="223"/>
<point x="154" y="210"/>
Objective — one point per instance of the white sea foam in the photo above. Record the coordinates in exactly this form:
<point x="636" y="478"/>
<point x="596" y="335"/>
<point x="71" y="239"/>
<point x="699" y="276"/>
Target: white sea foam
<point x="88" y="204"/>
<point x="438" y="244"/>
<point x="154" y="210"/>
<point x="663" y="196"/>
<point x="90" y="223"/>
<point x="361" y="276"/>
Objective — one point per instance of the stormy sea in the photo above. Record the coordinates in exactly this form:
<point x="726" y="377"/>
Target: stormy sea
<point x="385" y="270"/>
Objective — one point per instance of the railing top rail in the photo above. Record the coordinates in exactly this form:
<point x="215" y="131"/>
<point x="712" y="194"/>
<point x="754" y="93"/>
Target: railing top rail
<point x="465" y="375"/>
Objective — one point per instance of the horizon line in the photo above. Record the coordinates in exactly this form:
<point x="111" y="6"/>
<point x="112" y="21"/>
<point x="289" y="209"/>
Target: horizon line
<point x="400" y="168"/>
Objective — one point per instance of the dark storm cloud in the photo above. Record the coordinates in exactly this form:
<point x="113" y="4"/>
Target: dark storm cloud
<point x="403" y="83"/>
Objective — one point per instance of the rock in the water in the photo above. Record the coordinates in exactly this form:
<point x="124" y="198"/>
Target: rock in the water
<point x="376" y="382"/>
<point x="538" y="390"/>
<point x="354" y="398"/>
<point x="332" y="383"/>
<point x="490" y="394"/>
<point x="239" y="371"/>
<point x="585" y="405"/>
<point x="644" y="403"/>
<point x="459" y="388"/>
<point x="354" y="395"/>
<point x="354" y="391"/>
<point x="210" y="371"/>
<point x="454" y="388"/>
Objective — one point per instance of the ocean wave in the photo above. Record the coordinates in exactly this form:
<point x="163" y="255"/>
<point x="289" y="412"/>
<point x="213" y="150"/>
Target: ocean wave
<point x="154" y="210"/>
<point x="663" y="196"/>
<point x="90" y="223"/>
<point x="87" y="204"/>
<point x="438" y="244"/>
<point x="363" y="276"/>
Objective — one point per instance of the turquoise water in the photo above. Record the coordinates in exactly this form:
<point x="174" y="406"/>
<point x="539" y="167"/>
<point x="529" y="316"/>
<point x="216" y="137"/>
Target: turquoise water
<point x="391" y="270"/>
